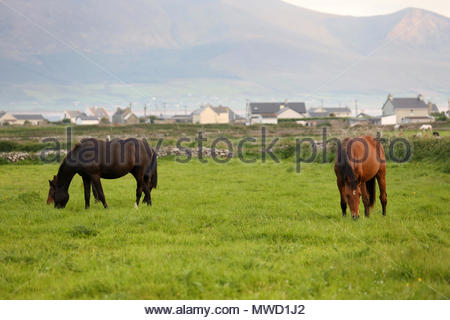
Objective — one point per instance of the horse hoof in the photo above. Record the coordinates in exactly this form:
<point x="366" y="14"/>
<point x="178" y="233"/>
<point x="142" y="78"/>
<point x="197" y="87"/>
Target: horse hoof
<point x="136" y="206"/>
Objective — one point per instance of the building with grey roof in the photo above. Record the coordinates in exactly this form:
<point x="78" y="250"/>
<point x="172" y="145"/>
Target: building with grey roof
<point x="32" y="119"/>
<point x="274" y="107"/>
<point x="99" y="112"/>
<point x="407" y="110"/>
<point x="6" y="118"/>
<point x="181" y="118"/>
<point x="271" y="112"/>
<point x="124" y="116"/>
<point x="72" y="115"/>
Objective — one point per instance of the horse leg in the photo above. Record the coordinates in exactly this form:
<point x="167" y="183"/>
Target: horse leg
<point x="98" y="186"/>
<point x="139" y="176"/>
<point x="343" y="202"/>
<point x="87" y="191"/>
<point x="148" y="194"/>
<point x="95" y="193"/>
<point x="381" y="178"/>
<point x="366" y="199"/>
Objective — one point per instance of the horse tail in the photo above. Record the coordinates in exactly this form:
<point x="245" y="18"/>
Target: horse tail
<point x="154" y="179"/>
<point x="152" y="171"/>
<point x="370" y="186"/>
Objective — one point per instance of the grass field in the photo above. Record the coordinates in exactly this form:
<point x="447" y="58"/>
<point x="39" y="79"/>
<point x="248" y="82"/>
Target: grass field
<point x="241" y="231"/>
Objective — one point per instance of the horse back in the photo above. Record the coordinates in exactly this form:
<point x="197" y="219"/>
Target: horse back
<point x="364" y="156"/>
<point x="111" y="159"/>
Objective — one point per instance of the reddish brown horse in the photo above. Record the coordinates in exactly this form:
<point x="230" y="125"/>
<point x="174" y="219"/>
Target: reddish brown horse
<point x="94" y="159"/>
<point x="359" y="161"/>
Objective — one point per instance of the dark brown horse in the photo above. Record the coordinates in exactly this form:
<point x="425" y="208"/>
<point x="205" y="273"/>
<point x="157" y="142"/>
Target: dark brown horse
<point x="359" y="162"/>
<point x="93" y="159"/>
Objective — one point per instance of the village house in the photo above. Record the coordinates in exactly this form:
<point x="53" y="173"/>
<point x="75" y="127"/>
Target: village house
<point x="6" y="118"/>
<point x="181" y="118"/>
<point x="99" y="113"/>
<point x="124" y="116"/>
<point x="32" y="119"/>
<point x="85" y="120"/>
<point x="407" y="110"/>
<point x="22" y="119"/>
<point x="364" y="119"/>
<point x="322" y="112"/>
<point x="210" y="115"/>
<point x="72" y="115"/>
<point x="263" y="118"/>
<point x="271" y="112"/>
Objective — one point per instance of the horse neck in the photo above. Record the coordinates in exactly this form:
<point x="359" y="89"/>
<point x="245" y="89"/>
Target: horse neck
<point x="65" y="175"/>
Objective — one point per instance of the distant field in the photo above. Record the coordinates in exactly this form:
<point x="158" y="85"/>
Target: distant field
<point x="174" y="131"/>
<point x="240" y="231"/>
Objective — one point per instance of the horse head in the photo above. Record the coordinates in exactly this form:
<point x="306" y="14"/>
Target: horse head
<point x="352" y="193"/>
<point x="57" y="195"/>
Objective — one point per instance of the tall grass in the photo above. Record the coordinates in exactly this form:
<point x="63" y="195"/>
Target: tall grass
<point x="242" y="231"/>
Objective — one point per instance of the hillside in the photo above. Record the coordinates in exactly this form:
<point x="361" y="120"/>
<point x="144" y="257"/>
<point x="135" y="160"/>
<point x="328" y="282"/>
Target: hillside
<point x="80" y="50"/>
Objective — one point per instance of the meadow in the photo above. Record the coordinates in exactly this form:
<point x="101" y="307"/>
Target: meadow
<point x="225" y="231"/>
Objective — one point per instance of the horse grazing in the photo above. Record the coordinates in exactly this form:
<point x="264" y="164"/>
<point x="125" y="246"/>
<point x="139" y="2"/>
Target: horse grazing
<point x="93" y="159"/>
<point x="359" y="162"/>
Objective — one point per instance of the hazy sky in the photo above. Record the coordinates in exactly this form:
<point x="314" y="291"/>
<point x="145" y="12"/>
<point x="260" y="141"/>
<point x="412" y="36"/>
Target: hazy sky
<point x="372" y="7"/>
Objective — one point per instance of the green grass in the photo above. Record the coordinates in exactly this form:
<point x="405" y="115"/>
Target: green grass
<point x="239" y="231"/>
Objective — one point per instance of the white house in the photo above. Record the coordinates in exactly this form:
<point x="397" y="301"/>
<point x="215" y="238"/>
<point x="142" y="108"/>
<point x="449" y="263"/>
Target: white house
<point x="84" y="120"/>
<point x="72" y="115"/>
<point x="389" y="120"/>
<point x="288" y="113"/>
<point x="407" y="110"/>
<point x="267" y="118"/>
<point x="271" y="112"/>
<point x="322" y="112"/>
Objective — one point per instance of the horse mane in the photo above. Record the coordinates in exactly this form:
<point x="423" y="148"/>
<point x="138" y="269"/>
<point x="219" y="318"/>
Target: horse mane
<point x="75" y="147"/>
<point x="84" y="140"/>
<point x="63" y="163"/>
<point x="344" y="167"/>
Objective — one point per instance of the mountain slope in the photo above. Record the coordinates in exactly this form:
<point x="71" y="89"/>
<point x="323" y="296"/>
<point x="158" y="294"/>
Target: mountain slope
<point x="275" y="47"/>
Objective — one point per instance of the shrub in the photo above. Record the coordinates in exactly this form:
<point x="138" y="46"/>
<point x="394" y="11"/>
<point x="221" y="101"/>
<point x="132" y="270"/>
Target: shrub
<point x="8" y="146"/>
<point x="285" y="151"/>
<point x="431" y="149"/>
<point x="439" y="116"/>
<point x="104" y="121"/>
